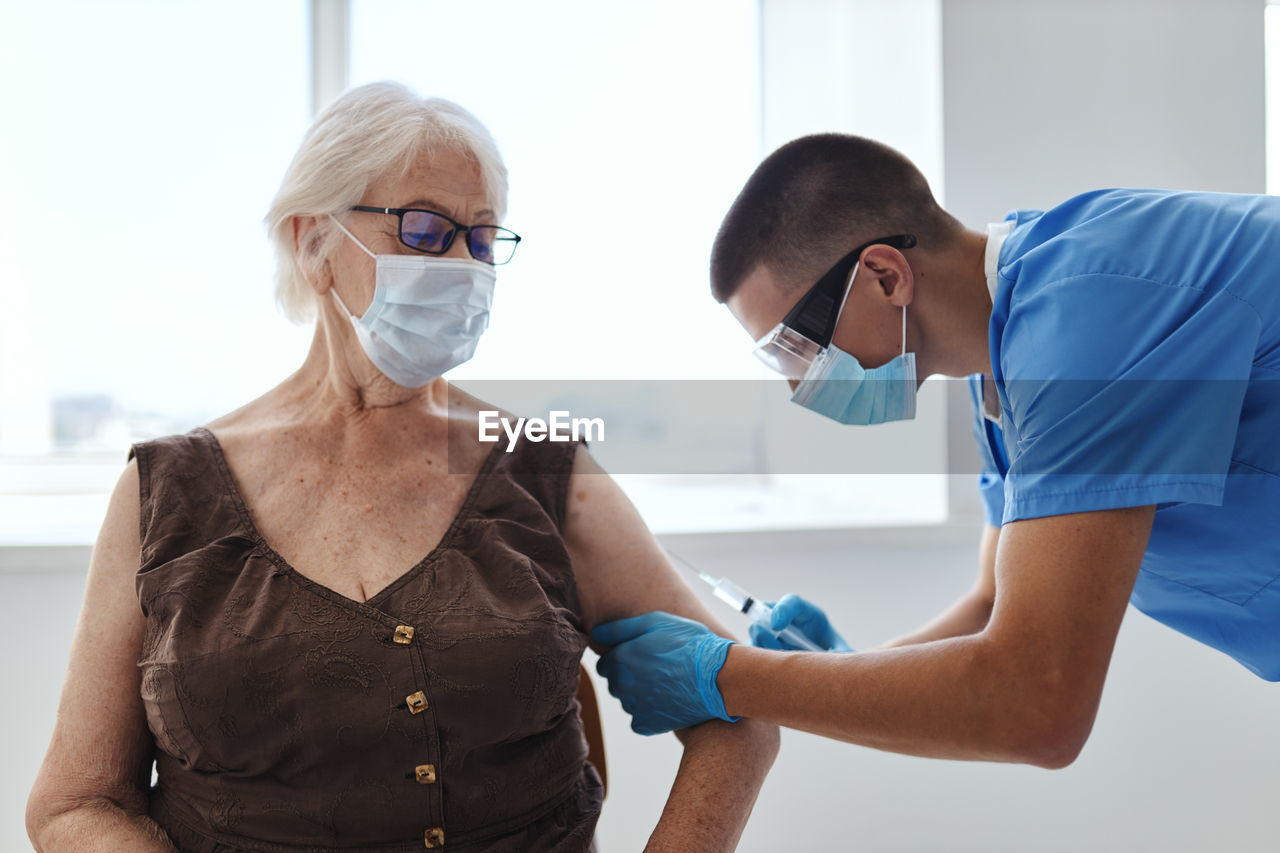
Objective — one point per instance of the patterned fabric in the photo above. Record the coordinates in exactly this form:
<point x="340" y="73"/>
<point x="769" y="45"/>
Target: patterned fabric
<point x="287" y="717"/>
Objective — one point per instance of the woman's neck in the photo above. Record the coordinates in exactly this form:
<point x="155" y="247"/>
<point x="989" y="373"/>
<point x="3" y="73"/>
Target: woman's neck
<point x="338" y="380"/>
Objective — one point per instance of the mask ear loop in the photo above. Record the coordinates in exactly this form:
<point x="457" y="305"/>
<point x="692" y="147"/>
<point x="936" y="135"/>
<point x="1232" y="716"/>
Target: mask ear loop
<point x="848" y="288"/>
<point x="365" y="249"/>
<point x="362" y="246"/>
<point x="348" y="311"/>
<point x="904" y="331"/>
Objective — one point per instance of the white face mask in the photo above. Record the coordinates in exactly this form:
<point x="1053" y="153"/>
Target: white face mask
<point x="426" y="316"/>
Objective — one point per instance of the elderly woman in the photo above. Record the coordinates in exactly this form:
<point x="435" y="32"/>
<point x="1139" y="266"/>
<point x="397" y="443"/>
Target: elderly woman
<point x="333" y="618"/>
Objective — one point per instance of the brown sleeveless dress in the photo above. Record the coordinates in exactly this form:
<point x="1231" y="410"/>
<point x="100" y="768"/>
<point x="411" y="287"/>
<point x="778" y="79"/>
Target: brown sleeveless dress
<point x="439" y="713"/>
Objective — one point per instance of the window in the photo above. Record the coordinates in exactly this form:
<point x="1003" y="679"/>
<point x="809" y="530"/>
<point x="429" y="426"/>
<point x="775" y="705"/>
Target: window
<point x="628" y="129"/>
<point x="137" y="277"/>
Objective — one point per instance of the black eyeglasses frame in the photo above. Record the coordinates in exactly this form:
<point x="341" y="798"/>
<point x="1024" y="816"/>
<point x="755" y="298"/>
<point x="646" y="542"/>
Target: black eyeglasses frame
<point x="458" y="228"/>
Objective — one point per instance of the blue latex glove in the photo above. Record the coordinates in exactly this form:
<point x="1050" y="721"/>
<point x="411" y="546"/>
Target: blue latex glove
<point x="663" y="668"/>
<point x="805" y="617"/>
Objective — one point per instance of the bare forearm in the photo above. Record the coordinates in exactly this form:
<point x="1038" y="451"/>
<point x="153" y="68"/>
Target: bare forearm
<point x="721" y="771"/>
<point x="947" y="699"/>
<point x="970" y="614"/>
<point x="101" y="825"/>
<point x="967" y="616"/>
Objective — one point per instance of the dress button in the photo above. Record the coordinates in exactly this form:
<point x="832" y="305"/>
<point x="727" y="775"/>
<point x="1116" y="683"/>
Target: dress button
<point x="425" y="773"/>
<point x="417" y="702"/>
<point x="433" y="837"/>
<point x="403" y="635"/>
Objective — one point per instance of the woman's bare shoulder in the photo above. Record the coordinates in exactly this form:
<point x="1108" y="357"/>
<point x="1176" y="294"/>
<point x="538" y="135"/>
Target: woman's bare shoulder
<point x="471" y="419"/>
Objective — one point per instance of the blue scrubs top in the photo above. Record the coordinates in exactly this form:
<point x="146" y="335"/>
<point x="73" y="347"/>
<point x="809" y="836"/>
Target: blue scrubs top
<point x="1135" y="347"/>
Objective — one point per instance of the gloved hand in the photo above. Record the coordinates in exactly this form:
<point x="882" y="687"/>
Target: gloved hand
<point x="805" y="617"/>
<point x="664" y="669"/>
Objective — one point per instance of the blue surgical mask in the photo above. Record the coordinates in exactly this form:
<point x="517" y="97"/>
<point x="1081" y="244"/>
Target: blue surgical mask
<point x="426" y="316"/>
<point x="838" y="386"/>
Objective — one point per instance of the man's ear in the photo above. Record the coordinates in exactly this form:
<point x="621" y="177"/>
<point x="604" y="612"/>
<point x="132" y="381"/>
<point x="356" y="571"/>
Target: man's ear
<point x="892" y="273"/>
<point x="308" y="238"/>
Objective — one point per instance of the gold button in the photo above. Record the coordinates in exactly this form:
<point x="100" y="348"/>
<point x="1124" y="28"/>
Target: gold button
<point x="433" y="837"/>
<point x="403" y="635"/>
<point x="425" y="773"/>
<point x="417" y="702"/>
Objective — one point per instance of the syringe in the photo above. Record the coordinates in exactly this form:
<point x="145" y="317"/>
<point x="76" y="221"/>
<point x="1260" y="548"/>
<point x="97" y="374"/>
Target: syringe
<point x="757" y="611"/>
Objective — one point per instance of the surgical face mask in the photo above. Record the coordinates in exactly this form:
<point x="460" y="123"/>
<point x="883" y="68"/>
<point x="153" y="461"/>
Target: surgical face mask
<point x="838" y="386"/>
<point x="426" y="316"/>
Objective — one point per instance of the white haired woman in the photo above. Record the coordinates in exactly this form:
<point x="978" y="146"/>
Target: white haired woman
<point x="333" y="618"/>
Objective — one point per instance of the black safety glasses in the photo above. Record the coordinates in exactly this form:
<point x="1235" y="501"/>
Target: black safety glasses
<point x="433" y="233"/>
<point x="808" y="327"/>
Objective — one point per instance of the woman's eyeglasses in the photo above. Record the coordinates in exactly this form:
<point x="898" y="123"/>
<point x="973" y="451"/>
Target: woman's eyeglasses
<point x="433" y="233"/>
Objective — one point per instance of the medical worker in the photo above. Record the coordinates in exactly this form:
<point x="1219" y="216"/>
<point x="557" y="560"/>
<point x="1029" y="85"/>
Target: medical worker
<point x="1123" y="355"/>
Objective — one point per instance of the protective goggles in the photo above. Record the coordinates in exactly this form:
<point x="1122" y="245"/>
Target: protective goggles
<point x="807" y="329"/>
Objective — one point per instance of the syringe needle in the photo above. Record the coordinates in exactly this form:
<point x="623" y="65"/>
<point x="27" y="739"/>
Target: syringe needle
<point x="757" y="611"/>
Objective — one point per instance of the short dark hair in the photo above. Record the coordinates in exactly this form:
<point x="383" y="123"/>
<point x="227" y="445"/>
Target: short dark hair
<point x="811" y="201"/>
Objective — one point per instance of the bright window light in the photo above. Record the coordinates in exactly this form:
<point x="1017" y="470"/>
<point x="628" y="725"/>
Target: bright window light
<point x="142" y="144"/>
<point x="138" y="276"/>
<point x="628" y="128"/>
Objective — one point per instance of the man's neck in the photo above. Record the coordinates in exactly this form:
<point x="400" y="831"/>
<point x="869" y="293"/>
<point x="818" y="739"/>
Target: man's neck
<point x="953" y="309"/>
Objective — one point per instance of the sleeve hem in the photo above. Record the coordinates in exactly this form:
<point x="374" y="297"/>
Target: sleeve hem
<point x="1019" y="507"/>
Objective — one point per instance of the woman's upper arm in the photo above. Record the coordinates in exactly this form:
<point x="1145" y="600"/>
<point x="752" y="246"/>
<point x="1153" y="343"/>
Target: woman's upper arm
<point x="101" y="747"/>
<point x="621" y="571"/>
<point x="620" y="568"/>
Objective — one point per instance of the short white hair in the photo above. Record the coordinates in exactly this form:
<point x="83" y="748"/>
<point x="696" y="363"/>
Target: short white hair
<point x="364" y="134"/>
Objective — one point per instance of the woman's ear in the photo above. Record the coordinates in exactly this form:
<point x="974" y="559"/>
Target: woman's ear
<point x="892" y="273"/>
<point x="308" y="238"/>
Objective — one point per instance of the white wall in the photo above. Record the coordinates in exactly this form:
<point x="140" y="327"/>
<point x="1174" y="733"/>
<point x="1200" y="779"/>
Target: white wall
<point x="1043" y="99"/>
